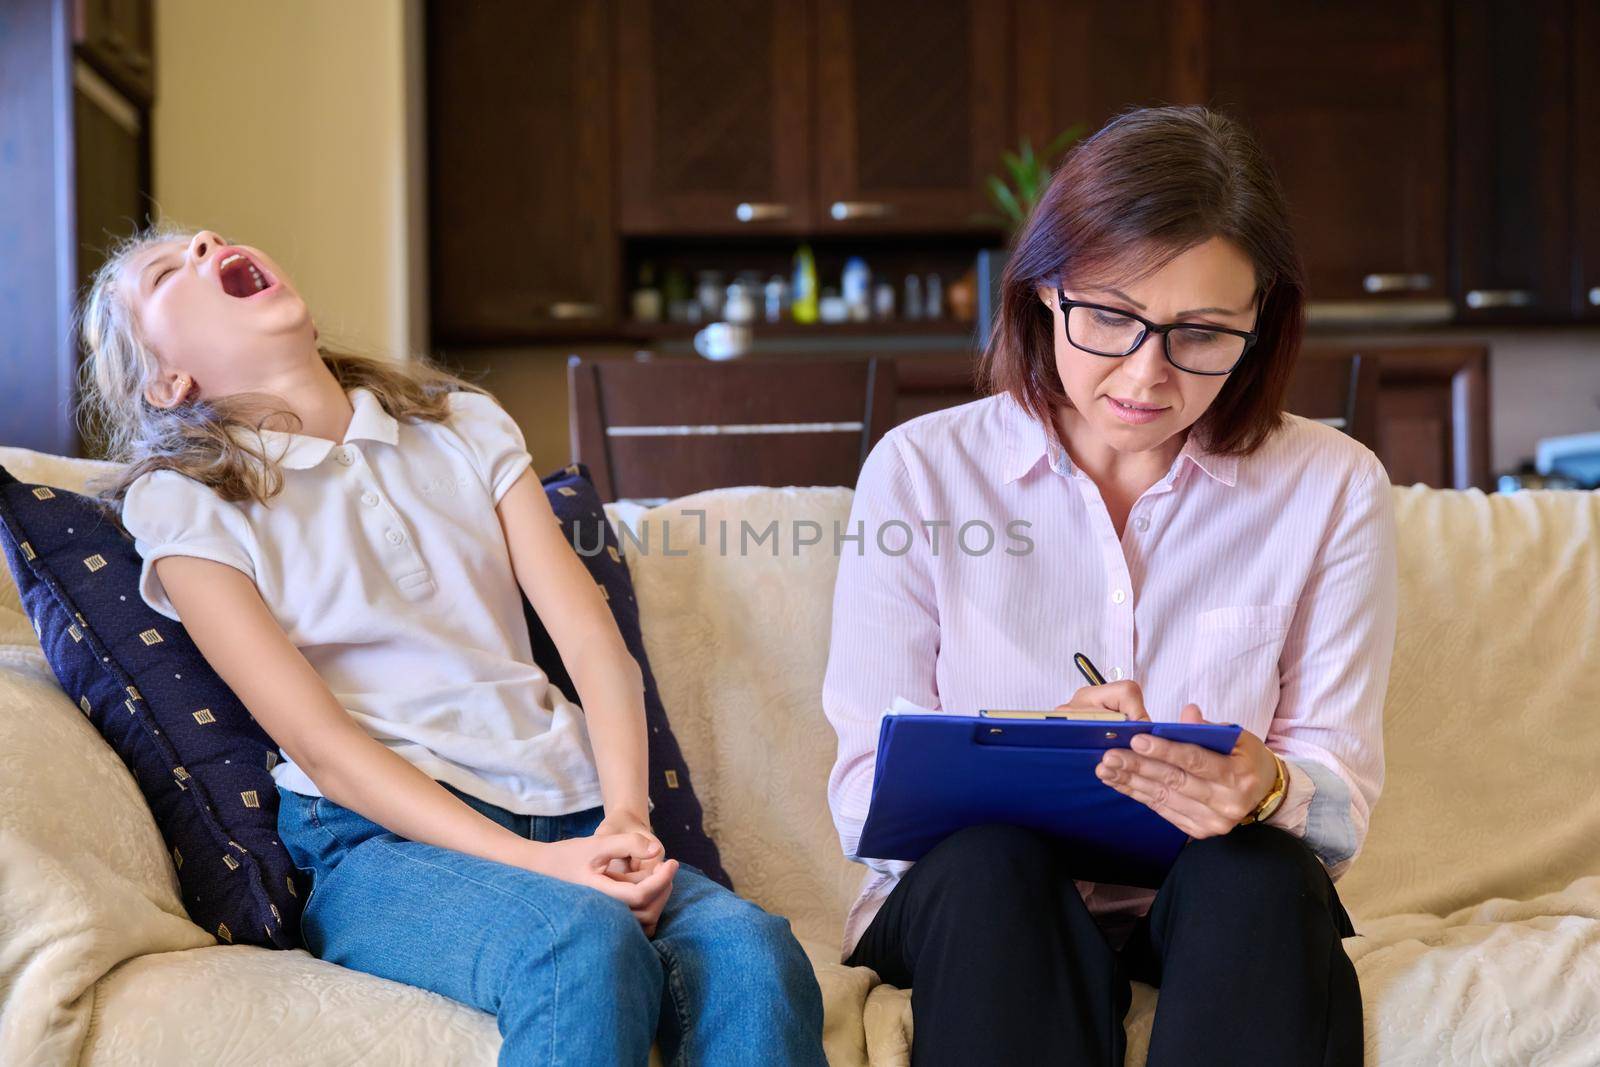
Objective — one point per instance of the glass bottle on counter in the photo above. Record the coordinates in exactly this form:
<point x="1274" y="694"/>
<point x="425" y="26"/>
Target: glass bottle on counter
<point x="738" y="307"/>
<point x="883" y="301"/>
<point x="777" y="298"/>
<point x="803" y="305"/>
<point x="831" y="307"/>
<point x="646" y="300"/>
<point x="675" y="290"/>
<point x="911" y="307"/>
<point x="855" y="287"/>
<point x="709" y="292"/>
<point x="933" y="298"/>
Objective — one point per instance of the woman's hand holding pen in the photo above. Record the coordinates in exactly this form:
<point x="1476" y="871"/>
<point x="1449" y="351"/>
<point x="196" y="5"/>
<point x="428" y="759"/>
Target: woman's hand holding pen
<point x="1124" y="696"/>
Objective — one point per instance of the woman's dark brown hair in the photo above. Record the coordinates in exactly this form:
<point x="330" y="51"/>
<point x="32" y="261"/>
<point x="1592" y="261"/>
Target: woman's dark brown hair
<point x="1151" y="184"/>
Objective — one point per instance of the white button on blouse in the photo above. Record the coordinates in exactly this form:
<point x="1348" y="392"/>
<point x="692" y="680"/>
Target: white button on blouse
<point x="416" y="622"/>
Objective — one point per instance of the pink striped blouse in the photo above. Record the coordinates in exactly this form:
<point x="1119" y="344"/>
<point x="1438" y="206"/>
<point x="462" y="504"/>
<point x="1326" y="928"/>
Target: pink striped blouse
<point x="1261" y="589"/>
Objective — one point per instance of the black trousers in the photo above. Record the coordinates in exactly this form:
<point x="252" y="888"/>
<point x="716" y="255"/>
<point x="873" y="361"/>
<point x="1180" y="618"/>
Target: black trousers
<point x="1006" y="965"/>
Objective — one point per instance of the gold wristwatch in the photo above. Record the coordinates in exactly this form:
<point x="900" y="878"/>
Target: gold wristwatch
<point x="1274" y="797"/>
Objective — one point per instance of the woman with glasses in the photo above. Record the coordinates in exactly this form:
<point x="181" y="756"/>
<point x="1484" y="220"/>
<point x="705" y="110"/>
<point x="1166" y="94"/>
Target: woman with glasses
<point x="1219" y="559"/>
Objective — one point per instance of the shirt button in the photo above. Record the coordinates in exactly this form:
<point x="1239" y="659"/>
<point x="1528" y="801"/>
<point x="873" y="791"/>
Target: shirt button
<point x="1141" y="523"/>
<point x="1118" y="596"/>
<point x="1116" y="674"/>
<point x="395" y="537"/>
<point x="370" y="499"/>
<point x="345" y="457"/>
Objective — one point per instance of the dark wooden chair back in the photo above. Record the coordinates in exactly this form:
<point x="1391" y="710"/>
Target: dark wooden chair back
<point x="660" y="428"/>
<point x="1340" y="390"/>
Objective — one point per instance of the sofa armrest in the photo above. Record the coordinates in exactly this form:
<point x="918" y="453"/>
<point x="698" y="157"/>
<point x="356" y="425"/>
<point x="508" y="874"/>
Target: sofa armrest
<point x="86" y="882"/>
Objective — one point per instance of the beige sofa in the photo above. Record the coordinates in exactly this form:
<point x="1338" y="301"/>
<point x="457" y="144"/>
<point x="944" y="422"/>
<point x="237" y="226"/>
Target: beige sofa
<point x="1477" y="895"/>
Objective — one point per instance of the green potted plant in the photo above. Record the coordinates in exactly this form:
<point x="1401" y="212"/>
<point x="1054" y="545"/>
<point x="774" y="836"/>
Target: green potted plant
<point x="1013" y="195"/>
<point x="1026" y="175"/>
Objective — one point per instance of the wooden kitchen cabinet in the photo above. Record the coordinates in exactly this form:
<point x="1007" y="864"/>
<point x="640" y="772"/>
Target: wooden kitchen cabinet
<point x="913" y="111"/>
<point x="1512" y="160"/>
<point x="1367" y="192"/>
<point x="1349" y="101"/>
<point x="804" y="117"/>
<point x="713" y="117"/>
<point x="1147" y="54"/>
<point x="521" y="229"/>
<point x="1585" y="126"/>
<point x="1440" y="161"/>
<point x="872" y="115"/>
<point x="118" y="38"/>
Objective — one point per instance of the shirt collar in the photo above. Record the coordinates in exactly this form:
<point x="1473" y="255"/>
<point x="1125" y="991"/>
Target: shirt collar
<point x="297" y="451"/>
<point x="1028" y="441"/>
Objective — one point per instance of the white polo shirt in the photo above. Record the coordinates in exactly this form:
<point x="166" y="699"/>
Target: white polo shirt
<point x="385" y="563"/>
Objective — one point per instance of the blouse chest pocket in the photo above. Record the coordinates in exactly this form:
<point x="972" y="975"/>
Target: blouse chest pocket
<point x="1233" y="666"/>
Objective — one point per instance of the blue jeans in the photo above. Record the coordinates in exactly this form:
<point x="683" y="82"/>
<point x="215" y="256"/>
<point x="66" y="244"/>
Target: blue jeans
<point x="567" y="971"/>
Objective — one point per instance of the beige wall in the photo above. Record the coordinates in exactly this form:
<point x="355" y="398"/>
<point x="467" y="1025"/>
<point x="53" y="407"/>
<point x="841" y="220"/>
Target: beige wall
<point x="293" y="126"/>
<point x="1542" y="383"/>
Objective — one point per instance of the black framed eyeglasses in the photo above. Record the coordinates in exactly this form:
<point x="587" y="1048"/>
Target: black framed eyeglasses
<point x="1190" y="346"/>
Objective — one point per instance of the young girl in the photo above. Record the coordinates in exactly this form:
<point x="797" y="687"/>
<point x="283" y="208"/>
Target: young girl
<point x="340" y="537"/>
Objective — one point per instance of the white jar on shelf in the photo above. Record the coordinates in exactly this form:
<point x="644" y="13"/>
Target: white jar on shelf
<point x="738" y="307"/>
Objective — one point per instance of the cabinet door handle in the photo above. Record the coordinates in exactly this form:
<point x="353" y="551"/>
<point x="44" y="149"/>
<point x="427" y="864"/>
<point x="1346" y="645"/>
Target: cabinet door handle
<point x="1397" y="283"/>
<point x="1499" y="298"/>
<point x="843" y="210"/>
<point x="748" y="212"/>
<point x="571" y="310"/>
<point x="1594" y="297"/>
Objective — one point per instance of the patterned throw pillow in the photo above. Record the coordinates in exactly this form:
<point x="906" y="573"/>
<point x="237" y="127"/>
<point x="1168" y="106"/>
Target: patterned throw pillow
<point x="201" y="761"/>
<point x="677" y="817"/>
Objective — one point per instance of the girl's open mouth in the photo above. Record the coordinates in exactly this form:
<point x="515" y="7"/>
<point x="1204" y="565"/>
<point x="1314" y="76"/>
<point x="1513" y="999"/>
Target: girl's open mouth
<point x="241" y="277"/>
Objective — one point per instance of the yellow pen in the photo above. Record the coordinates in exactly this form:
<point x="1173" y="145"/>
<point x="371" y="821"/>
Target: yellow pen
<point x="1087" y="669"/>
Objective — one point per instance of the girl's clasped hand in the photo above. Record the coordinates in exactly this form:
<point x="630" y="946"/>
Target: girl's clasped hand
<point x="627" y="866"/>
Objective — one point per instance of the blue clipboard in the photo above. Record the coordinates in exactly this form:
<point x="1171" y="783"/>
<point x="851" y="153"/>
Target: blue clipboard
<point x="937" y="774"/>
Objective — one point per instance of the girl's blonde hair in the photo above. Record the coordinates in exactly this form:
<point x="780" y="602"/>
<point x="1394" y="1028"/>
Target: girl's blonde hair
<point x="193" y="437"/>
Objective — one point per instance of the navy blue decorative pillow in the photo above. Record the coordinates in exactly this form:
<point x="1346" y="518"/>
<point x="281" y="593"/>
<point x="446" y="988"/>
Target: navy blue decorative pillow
<point x="677" y="817"/>
<point x="201" y="761"/>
